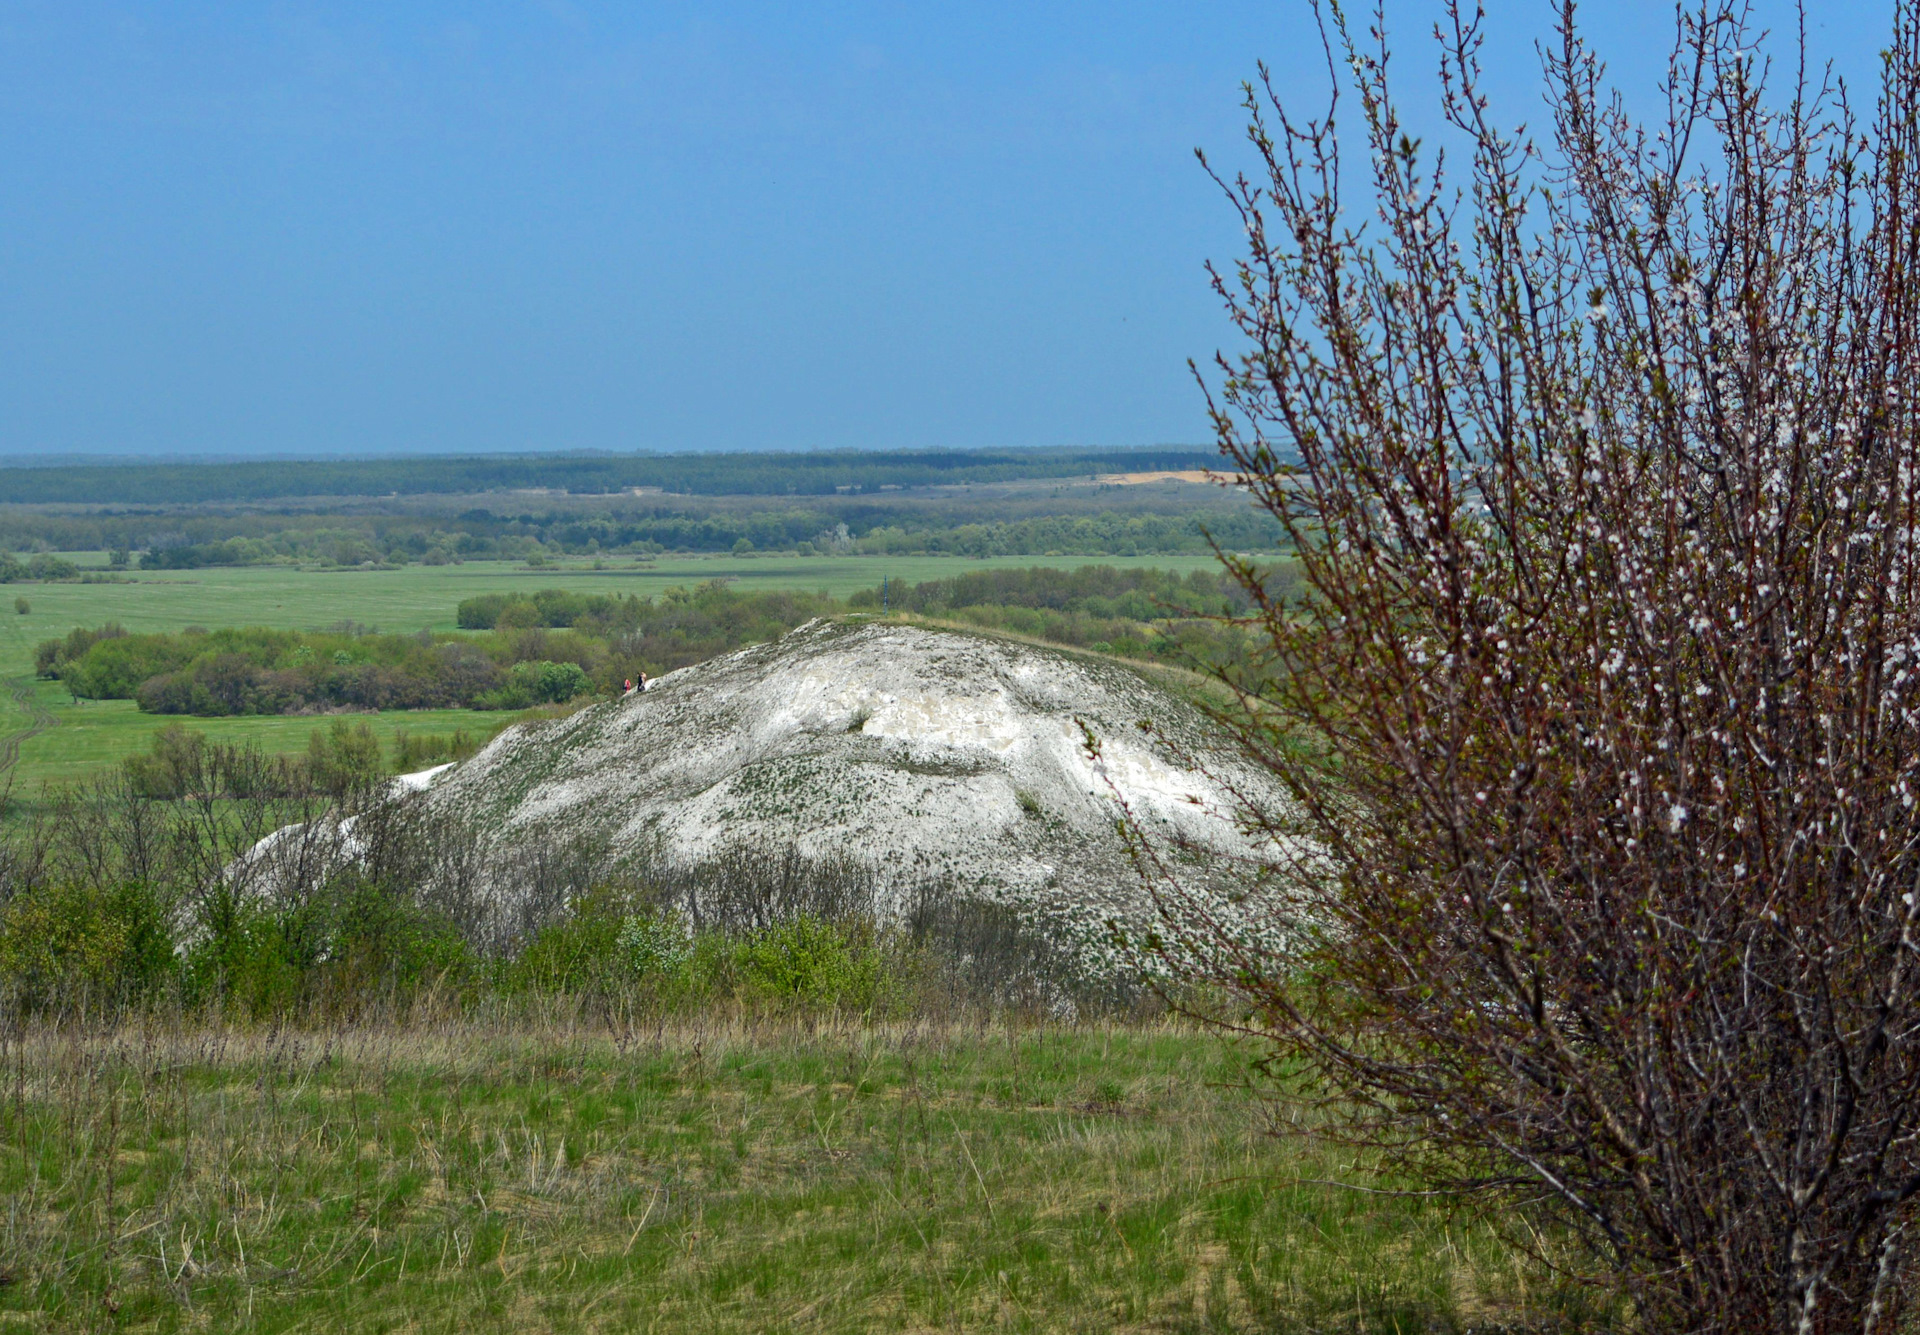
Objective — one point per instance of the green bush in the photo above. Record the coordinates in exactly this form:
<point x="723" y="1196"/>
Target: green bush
<point x="241" y="962"/>
<point x="414" y="751"/>
<point x="50" y="567"/>
<point x="50" y="655"/>
<point x="553" y="683"/>
<point x="175" y="759"/>
<point x="604" y="944"/>
<point x="69" y="944"/>
<point x="352" y="942"/>
<point x="580" y="952"/>
<point x="362" y="938"/>
<point x="809" y="961"/>
<point x="540" y="683"/>
<point x="518" y="615"/>
<point x="345" y="758"/>
<point x="656" y="946"/>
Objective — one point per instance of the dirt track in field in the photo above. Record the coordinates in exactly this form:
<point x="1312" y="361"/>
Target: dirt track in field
<point x="39" y="719"/>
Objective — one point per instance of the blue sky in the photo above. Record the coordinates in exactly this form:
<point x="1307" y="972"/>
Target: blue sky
<point x="294" y="228"/>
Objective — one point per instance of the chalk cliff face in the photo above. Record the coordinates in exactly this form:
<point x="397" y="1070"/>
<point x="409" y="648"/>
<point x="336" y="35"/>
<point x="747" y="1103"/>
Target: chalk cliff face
<point x="925" y="752"/>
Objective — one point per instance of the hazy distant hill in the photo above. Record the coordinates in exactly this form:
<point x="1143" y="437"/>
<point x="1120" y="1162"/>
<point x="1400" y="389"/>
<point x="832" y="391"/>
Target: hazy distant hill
<point x="769" y="473"/>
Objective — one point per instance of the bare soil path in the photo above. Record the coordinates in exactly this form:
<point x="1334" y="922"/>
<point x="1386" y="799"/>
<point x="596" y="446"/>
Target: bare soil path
<point x="39" y="719"/>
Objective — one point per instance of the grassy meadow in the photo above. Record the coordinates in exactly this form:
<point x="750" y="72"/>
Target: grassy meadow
<point x="555" y="1160"/>
<point x="715" y="1175"/>
<point x="552" y="1164"/>
<point x="69" y="739"/>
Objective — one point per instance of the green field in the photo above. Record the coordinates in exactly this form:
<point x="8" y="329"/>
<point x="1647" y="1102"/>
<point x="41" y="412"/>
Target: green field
<point x="95" y="733"/>
<point x="85" y="735"/>
<point x="719" y="1176"/>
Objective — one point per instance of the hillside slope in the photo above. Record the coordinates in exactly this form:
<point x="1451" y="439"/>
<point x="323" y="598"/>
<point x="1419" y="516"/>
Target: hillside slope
<point x="926" y="752"/>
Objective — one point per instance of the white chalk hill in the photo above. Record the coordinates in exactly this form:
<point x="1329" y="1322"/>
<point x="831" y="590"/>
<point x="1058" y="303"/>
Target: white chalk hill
<point x="927" y="752"/>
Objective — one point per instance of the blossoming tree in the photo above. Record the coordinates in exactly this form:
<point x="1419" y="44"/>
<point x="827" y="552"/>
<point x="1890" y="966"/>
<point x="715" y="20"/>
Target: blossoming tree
<point x="1600" y="449"/>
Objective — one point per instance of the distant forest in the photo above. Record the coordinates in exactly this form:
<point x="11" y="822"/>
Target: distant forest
<point x="519" y="650"/>
<point x="798" y="532"/>
<point x="185" y="542"/>
<point x="822" y="473"/>
<point x="1033" y="518"/>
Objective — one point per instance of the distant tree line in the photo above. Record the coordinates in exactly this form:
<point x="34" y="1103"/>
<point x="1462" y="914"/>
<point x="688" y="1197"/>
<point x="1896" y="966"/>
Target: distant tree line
<point x="1186" y="620"/>
<point x="259" y="671"/>
<point x="547" y="648"/>
<point x="1100" y="591"/>
<point x="519" y="650"/>
<point x="821" y="473"/>
<point x="604" y="615"/>
<point x="171" y="540"/>
<point x="40" y="567"/>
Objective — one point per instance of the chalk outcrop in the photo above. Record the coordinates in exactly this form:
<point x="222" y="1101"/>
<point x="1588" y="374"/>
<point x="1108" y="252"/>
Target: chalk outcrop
<point x="924" y="752"/>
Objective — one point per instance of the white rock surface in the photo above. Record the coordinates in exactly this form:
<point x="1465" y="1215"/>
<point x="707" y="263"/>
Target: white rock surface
<point x="421" y="779"/>
<point x="923" y="751"/>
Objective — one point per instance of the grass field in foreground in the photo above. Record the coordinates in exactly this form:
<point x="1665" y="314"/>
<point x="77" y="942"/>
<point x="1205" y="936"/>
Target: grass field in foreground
<point x="86" y="735"/>
<point x="714" y="1177"/>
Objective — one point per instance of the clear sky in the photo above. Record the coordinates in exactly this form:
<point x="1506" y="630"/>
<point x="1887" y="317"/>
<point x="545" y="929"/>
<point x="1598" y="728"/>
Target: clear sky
<point x="300" y="228"/>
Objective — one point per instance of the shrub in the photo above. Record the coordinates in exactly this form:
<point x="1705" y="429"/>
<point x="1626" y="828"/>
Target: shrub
<point x="579" y="953"/>
<point x="362" y="939"/>
<point x="656" y="946"/>
<point x="1600" y="722"/>
<point x="49" y="656"/>
<point x="241" y="963"/>
<point x="344" y="758"/>
<point x="608" y="942"/>
<point x="538" y="683"/>
<point x="64" y="945"/>
<point x="556" y="683"/>
<point x="414" y="751"/>
<point x="173" y="765"/>
<point x="811" y="962"/>
<point x="182" y="763"/>
<point x="520" y="614"/>
<point x="348" y="943"/>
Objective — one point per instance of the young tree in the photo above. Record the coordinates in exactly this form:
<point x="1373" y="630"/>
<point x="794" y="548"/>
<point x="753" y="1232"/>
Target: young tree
<point x="1599" y="714"/>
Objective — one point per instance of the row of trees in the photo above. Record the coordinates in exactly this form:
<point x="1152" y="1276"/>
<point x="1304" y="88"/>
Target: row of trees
<point x="547" y="647"/>
<point x="42" y="567"/>
<point x="748" y="473"/>
<point x="259" y="671"/>
<point x="795" y="531"/>
<point x="552" y="645"/>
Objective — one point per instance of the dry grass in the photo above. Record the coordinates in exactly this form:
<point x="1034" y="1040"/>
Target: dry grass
<point x="728" y="1175"/>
